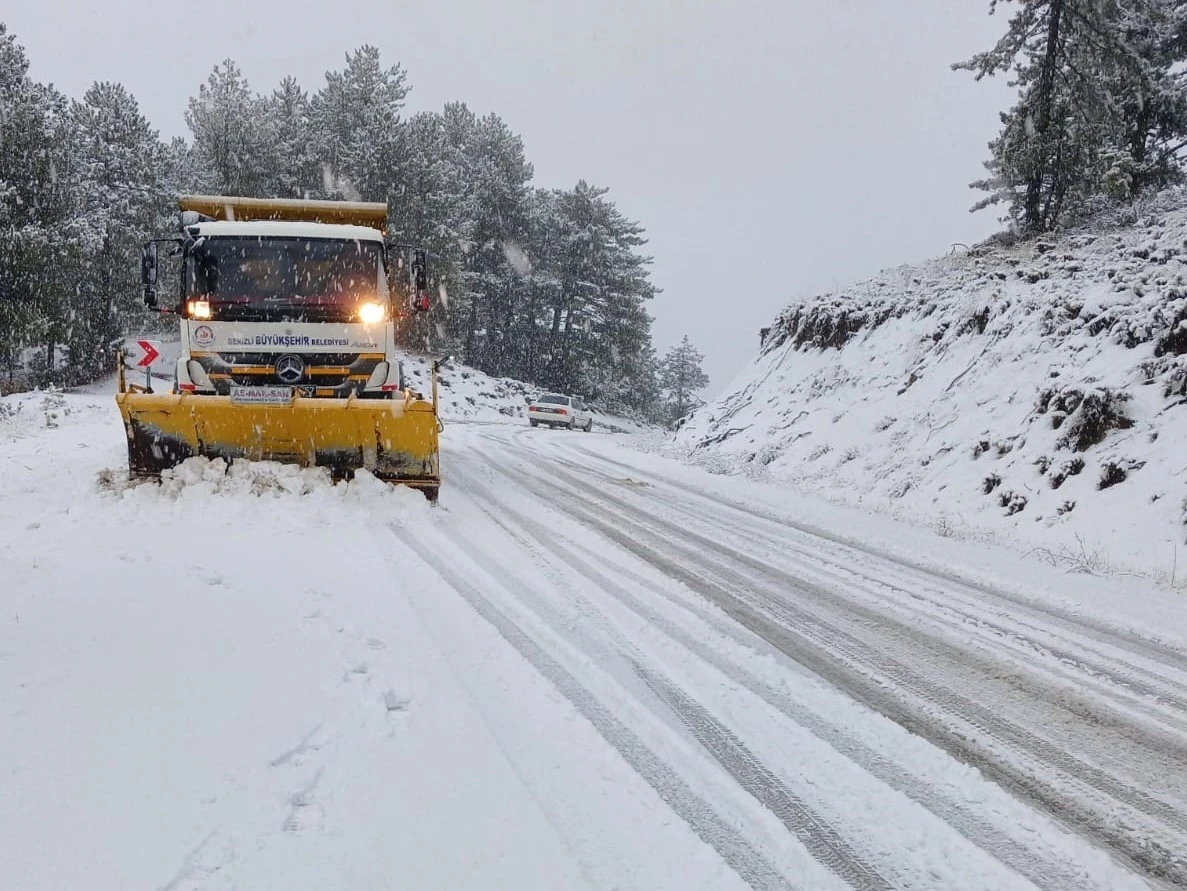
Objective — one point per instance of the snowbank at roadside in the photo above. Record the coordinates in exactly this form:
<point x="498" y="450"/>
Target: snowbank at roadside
<point x="1032" y="393"/>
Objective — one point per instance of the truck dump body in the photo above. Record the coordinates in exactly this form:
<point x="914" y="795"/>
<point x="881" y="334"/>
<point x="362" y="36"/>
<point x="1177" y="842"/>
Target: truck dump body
<point x="354" y="213"/>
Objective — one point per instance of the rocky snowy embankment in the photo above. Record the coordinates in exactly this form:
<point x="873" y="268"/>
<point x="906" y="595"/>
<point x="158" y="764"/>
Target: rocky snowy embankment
<point x="1033" y="393"/>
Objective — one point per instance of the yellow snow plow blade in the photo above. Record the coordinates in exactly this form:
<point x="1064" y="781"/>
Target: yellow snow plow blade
<point x="394" y="439"/>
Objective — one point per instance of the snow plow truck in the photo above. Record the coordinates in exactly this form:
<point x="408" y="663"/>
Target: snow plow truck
<point x="288" y="312"/>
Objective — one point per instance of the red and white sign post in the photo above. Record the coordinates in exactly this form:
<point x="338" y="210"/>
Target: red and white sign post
<point x="151" y="354"/>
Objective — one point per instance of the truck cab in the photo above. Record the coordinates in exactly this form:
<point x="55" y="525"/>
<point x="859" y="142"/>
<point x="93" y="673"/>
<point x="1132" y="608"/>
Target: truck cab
<point x="300" y="304"/>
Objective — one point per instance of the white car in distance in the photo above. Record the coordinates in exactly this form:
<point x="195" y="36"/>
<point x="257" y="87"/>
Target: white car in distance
<point x="558" y="410"/>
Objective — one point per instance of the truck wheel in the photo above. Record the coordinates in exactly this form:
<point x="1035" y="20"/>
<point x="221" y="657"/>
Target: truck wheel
<point x="534" y="422"/>
<point x="589" y="425"/>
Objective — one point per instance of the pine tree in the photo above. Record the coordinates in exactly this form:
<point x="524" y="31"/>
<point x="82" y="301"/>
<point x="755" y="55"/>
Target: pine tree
<point x="357" y="126"/>
<point x="1100" y="109"/>
<point x="681" y="378"/>
<point x="429" y="207"/>
<point x="117" y="165"/>
<point x="34" y="203"/>
<point x="1150" y="96"/>
<point x="498" y="174"/>
<point x="463" y="194"/>
<point x="598" y="327"/>
<point x="455" y="138"/>
<point x="182" y="172"/>
<point x="537" y="265"/>
<point x="230" y="127"/>
<point x="23" y="134"/>
<point x="1041" y="152"/>
<point x="294" y="171"/>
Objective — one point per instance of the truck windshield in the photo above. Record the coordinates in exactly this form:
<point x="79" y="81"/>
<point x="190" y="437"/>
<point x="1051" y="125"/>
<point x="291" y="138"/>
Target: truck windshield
<point x="285" y="279"/>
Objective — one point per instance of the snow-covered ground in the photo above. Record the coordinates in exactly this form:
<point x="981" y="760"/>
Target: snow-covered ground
<point x="252" y="680"/>
<point x="586" y="667"/>
<point x="1030" y="394"/>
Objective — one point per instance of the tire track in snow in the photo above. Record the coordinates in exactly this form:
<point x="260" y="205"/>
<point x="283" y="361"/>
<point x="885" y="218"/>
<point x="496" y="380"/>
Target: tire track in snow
<point x="1109" y="675"/>
<point x="1157" y="855"/>
<point x="1088" y="798"/>
<point x="844" y="605"/>
<point x="735" y="850"/>
<point x="968" y="821"/>
<point x="924" y="599"/>
<point x="821" y="839"/>
<point x="1157" y="651"/>
<point x="1157" y="744"/>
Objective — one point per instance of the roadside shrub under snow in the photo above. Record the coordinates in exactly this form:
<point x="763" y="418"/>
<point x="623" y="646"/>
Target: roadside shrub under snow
<point x="1084" y="416"/>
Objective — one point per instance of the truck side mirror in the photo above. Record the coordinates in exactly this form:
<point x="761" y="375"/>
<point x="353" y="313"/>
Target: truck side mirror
<point x="420" y="272"/>
<point x="420" y="282"/>
<point x="148" y="273"/>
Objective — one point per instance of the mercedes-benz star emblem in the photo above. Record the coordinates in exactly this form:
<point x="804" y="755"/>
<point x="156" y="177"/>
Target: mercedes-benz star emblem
<point x="290" y="369"/>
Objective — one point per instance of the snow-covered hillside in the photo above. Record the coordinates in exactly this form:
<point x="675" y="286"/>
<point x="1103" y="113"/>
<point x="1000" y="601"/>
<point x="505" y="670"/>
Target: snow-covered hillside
<point x="1032" y="392"/>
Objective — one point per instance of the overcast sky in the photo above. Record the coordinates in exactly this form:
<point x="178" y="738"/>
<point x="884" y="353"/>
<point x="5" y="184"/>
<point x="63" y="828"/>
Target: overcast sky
<point x="771" y="148"/>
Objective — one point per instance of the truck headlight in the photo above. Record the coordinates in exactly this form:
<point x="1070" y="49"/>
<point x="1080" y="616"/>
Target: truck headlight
<point x="370" y="313"/>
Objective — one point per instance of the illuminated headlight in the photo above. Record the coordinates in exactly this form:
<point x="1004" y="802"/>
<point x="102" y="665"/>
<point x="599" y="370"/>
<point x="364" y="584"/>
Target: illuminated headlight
<point x="198" y="309"/>
<point x="370" y="313"/>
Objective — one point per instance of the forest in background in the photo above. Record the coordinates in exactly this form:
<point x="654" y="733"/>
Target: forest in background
<point x="548" y="286"/>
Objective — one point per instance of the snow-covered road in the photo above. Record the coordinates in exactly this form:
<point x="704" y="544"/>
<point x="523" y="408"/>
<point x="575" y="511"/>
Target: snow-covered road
<point x="587" y="667"/>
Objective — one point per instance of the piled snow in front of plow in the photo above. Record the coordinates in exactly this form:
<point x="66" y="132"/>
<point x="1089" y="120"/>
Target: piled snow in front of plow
<point x="213" y="476"/>
<point x="1032" y="393"/>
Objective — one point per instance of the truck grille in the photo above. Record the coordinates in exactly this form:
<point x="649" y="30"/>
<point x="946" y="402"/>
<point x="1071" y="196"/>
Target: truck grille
<point x="326" y="374"/>
<point x="262" y="379"/>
